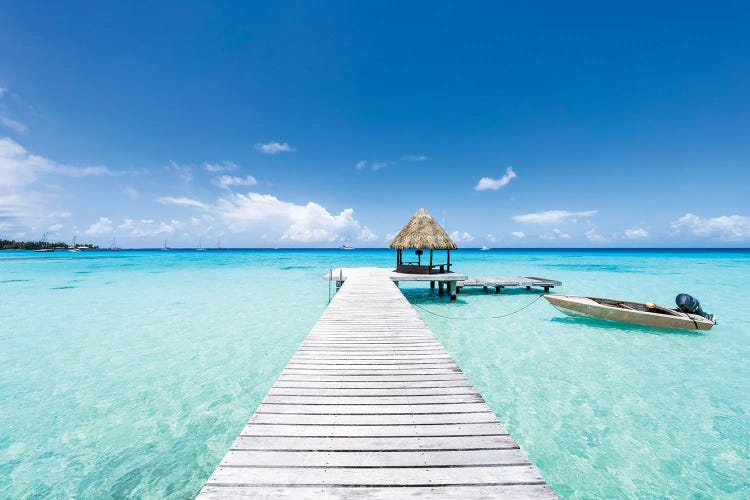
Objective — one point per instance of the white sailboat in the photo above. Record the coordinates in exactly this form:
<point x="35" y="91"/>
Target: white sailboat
<point x="200" y="245"/>
<point x="165" y="247"/>
<point x="45" y="248"/>
<point x="113" y="246"/>
<point x="74" y="247"/>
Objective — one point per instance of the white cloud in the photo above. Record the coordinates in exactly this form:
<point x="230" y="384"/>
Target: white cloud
<point x="180" y="201"/>
<point x="16" y="126"/>
<point x="556" y="235"/>
<point x="553" y="216"/>
<point x="635" y="234"/>
<point x="361" y="165"/>
<point x="486" y="183"/>
<point x="184" y="172"/>
<point x="491" y="238"/>
<point x="264" y="214"/>
<point x="518" y="234"/>
<point x="459" y="237"/>
<point x="272" y="148"/>
<point x="226" y="166"/>
<point x="102" y="226"/>
<point x="592" y="235"/>
<point x="415" y="158"/>
<point x="310" y="223"/>
<point x="226" y="181"/>
<point x="148" y="227"/>
<point x="19" y="172"/>
<point x="725" y="227"/>
<point x="55" y="227"/>
<point x="377" y="165"/>
<point x="131" y="192"/>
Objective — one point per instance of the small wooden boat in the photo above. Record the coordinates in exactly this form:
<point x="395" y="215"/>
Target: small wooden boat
<point x="629" y="312"/>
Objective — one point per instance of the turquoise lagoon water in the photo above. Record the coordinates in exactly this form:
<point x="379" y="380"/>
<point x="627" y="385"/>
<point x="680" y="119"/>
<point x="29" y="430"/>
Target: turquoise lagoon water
<point x="128" y="374"/>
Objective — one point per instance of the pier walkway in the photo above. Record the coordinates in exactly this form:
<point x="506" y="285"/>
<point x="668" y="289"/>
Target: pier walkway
<point x="372" y="406"/>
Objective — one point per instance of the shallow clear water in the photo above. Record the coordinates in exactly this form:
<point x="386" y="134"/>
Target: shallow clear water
<point x="130" y="373"/>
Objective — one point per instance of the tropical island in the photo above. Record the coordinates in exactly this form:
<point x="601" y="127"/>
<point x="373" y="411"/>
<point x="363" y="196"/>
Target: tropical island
<point x="39" y="245"/>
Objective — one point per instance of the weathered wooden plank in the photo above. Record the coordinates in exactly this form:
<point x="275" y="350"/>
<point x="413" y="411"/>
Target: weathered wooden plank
<point x="374" y="444"/>
<point x="481" y="429"/>
<point x="453" y="492"/>
<point x="432" y="458"/>
<point x="357" y="476"/>
<point x="374" y="409"/>
<point x="375" y="420"/>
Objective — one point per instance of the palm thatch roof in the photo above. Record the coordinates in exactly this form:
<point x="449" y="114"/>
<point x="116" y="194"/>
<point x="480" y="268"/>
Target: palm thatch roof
<point x="422" y="231"/>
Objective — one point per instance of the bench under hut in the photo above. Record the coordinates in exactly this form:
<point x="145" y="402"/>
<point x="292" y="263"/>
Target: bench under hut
<point x="421" y="233"/>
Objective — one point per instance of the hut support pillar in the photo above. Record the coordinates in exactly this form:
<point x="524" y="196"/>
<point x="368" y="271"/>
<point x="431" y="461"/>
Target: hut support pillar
<point x="432" y="284"/>
<point x="440" y="287"/>
<point x="452" y="289"/>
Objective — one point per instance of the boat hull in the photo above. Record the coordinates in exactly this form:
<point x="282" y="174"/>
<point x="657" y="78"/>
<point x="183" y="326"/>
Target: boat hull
<point x="587" y="307"/>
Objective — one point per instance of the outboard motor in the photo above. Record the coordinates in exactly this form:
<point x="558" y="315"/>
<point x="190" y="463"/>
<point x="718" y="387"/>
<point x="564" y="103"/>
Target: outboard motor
<point x="690" y="305"/>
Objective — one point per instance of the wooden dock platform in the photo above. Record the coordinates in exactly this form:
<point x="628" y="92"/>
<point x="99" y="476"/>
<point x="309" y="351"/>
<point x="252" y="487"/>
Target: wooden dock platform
<point x="372" y="406"/>
<point x="499" y="283"/>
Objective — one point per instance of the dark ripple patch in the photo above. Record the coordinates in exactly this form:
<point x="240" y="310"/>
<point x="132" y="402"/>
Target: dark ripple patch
<point x="13" y="281"/>
<point x="289" y="268"/>
<point x="66" y="287"/>
<point x="82" y="272"/>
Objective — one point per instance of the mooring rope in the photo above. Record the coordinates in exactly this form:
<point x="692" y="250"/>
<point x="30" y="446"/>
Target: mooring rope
<point x="488" y="317"/>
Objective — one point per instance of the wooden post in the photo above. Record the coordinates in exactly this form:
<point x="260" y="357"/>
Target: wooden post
<point x="440" y="287"/>
<point x="432" y="284"/>
<point x="452" y="289"/>
<point x="485" y="288"/>
<point x="431" y="262"/>
<point x="419" y="258"/>
<point x="528" y="287"/>
<point x="546" y="289"/>
<point x="449" y="261"/>
<point x="498" y="289"/>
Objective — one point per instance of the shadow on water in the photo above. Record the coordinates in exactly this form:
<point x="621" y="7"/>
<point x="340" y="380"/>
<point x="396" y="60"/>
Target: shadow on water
<point x="610" y="326"/>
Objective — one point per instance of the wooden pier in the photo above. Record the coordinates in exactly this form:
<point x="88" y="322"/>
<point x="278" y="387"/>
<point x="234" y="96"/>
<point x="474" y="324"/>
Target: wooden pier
<point x="372" y="406"/>
<point x="499" y="283"/>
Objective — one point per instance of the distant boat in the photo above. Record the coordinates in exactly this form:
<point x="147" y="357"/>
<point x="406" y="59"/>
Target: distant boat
<point x="218" y="244"/>
<point x="74" y="247"/>
<point x="633" y="312"/>
<point x="165" y="247"/>
<point x="200" y="245"/>
<point x="45" y="248"/>
<point x="346" y="247"/>
<point x="484" y="249"/>
<point x="113" y="246"/>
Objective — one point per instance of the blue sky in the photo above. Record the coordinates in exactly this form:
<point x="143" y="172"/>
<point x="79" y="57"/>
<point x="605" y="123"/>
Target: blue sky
<point x="313" y="124"/>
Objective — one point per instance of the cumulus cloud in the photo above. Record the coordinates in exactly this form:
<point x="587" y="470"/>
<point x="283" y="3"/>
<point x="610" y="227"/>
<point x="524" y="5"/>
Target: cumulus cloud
<point x="20" y="170"/>
<point x="725" y="227"/>
<point x="518" y="234"/>
<point x="635" y="234"/>
<point x="415" y="158"/>
<point x="226" y="166"/>
<point x="272" y="148"/>
<point x="227" y="181"/>
<point x="460" y="237"/>
<point x="266" y="216"/>
<point x="486" y="183"/>
<point x="148" y="227"/>
<point x="553" y="216"/>
<point x="491" y="238"/>
<point x="361" y="165"/>
<point x="593" y="235"/>
<point x="102" y="226"/>
<point x="555" y="235"/>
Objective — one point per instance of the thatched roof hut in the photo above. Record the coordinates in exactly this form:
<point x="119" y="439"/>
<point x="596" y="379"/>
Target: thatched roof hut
<point x="422" y="232"/>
